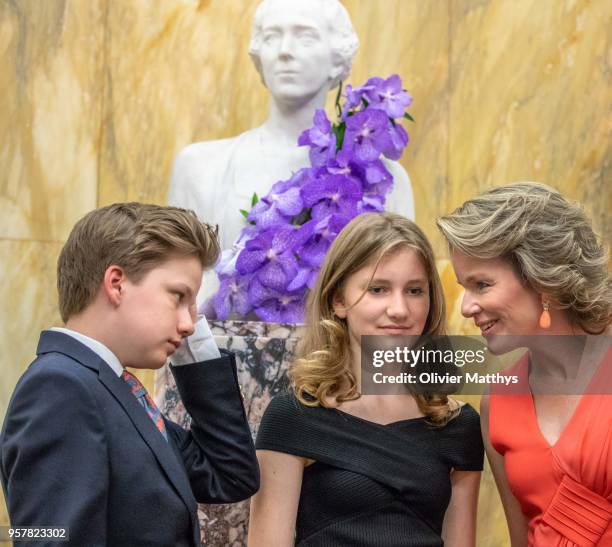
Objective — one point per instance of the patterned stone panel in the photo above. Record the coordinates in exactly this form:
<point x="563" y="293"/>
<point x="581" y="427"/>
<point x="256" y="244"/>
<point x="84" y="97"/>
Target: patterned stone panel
<point x="263" y="353"/>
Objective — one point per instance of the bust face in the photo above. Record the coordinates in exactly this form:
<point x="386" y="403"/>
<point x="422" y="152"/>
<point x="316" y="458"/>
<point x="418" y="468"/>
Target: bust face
<point x="296" y="55"/>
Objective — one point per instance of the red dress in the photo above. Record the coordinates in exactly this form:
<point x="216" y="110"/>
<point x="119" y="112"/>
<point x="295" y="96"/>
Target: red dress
<point x="565" y="490"/>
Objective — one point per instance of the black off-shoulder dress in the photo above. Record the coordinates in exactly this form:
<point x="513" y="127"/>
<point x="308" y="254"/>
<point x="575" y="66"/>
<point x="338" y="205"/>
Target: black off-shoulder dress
<point x="371" y="484"/>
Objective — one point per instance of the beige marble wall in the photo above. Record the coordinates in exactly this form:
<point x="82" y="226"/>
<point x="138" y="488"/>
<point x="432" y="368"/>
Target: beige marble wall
<point x="99" y="95"/>
<point x="177" y="84"/>
<point x="49" y="115"/>
<point x="50" y="77"/>
<point x="530" y="98"/>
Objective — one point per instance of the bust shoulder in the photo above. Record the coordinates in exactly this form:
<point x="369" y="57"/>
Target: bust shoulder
<point x="202" y="149"/>
<point x="401" y="198"/>
<point x="198" y="167"/>
<point x="204" y="162"/>
<point x="198" y="155"/>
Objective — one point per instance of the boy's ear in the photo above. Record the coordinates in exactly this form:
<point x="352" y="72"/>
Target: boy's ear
<point x="338" y="305"/>
<point x="113" y="283"/>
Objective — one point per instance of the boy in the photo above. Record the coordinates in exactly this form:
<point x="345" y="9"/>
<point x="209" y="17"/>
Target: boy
<point x="83" y="445"/>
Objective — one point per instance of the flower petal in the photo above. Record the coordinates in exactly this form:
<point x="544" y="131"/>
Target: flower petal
<point x="273" y="276"/>
<point x="257" y="293"/>
<point x="290" y="203"/>
<point x="292" y="312"/>
<point x="249" y="261"/>
<point x="269" y="311"/>
<point x="314" y="191"/>
<point x="300" y="280"/>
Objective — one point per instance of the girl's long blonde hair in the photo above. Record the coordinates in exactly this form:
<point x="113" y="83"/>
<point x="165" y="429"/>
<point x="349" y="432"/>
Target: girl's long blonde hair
<point x="323" y="369"/>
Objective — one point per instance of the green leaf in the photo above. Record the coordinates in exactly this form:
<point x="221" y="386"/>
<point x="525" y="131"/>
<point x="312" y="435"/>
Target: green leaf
<point x="302" y="218"/>
<point x="408" y="116"/>
<point x="337" y="103"/>
<point x="254" y="199"/>
<point x="244" y="213"/>
<point x="339" y="130"/>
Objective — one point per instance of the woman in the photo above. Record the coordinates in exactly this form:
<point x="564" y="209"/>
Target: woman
<point x="531" y="264"/>
<point x="341" y="468"/>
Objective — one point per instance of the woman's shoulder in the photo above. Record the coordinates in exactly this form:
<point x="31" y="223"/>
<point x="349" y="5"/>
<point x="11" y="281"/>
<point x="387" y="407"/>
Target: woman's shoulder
<point x="466" y="419"/>
<point x="292" y="427"/>
<point x="466" y="414"/>
<point x="466" y="411"/>
<point x="461" y="440"/>
<point x="285" y="406"/>
<point x="284" y="401"/>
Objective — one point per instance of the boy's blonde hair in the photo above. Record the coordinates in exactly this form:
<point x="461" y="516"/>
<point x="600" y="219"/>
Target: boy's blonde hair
<point x="136" y="236"/>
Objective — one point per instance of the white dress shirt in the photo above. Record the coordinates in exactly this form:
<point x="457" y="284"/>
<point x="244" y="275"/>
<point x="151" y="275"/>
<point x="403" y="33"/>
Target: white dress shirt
<point x="97" y="347"/>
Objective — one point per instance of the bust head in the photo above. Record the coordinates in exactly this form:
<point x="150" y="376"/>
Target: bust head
<point x="300" y="47"/>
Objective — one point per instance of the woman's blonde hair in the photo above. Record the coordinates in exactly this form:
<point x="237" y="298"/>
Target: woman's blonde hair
<point x="549" y="240"/>
<point x="323" y="369"/>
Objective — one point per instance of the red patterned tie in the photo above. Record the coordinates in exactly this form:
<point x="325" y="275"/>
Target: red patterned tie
<point x="139" y="391"/>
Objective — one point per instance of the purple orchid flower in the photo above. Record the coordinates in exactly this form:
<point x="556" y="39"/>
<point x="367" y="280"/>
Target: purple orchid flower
<point x="373" y="172"/>
<point x="354" y="97"/>
<point x="275" y="259"/>
<point x="305" y="278"/>
<point x="325" y="231"/>
<point x="274" y="306"/>
<point x="320" y="139"/>
<point x="340" y="165"/>
<point x="282" y="202"/>
<point x="367" y="134"/>
<point x="388" y="96"/>
<point x="343" y="164"/>
<point x="270" y="255"/>
<point x="374" y="198"/>
<point x="333" y="194"/>
<point x="399" y="141"/>
<point x="232" y="295"/>
<point x="227" y="263"/>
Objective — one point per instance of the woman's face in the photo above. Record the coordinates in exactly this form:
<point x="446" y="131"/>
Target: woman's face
<point x="495" y="298"/>
<point x="395" y="298"/>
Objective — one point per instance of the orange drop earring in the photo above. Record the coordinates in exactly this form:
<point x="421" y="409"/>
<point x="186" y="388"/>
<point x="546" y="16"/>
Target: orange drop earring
<point x="545" y="317"/>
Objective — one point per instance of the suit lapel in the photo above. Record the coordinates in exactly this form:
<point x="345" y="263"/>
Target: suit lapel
<point x="169" y="460"/>
<point x="162" y="450"/>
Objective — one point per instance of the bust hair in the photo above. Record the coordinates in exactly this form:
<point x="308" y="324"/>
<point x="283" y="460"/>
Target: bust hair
<point x="322" y="369"/>
<point x="135" y="236"/>
<point x="550" y="241"/>
<point x="344" y="40"/>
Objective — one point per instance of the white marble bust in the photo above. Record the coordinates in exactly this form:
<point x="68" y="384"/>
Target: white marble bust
<point x="302" y="49"/>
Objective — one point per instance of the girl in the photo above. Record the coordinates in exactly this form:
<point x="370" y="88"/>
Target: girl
<point x="342" y="468"/>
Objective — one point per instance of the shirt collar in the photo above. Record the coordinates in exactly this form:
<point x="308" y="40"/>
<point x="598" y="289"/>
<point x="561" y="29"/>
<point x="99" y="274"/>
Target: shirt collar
<point x="97" y="347"/>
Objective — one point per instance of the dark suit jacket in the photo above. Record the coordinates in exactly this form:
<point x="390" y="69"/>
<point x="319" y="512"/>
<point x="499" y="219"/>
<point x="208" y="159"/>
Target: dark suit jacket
<point x="78" y="450"/>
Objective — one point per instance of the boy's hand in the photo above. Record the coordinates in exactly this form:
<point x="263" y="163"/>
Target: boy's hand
<point x="200" y="346"/>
